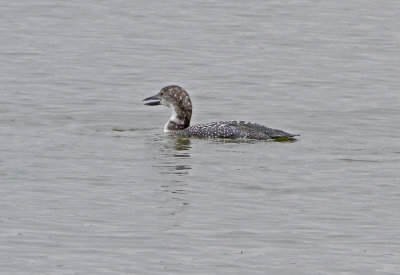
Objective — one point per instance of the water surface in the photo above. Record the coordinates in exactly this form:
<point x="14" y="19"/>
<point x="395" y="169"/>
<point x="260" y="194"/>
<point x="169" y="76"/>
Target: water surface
<point x="91" y="184"/>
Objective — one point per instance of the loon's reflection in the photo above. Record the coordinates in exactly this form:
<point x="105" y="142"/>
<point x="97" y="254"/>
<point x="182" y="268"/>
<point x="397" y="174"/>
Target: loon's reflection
<point x="174" y="156"/>
<point x="180" y="144"/>
<point x="172" y="164"/>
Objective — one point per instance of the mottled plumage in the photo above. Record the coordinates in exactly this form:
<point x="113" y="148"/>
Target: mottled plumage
<point x="179" y="101"/>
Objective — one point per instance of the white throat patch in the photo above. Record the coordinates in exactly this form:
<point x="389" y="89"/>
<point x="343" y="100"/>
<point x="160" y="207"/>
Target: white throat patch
<point x="174" y="118"/>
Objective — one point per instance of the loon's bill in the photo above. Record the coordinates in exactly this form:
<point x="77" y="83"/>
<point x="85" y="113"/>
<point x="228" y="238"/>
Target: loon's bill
<point x="176" y="98"/>
<point x="154" y="103"/>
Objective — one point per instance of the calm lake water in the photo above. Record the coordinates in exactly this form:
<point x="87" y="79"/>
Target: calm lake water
<point x="90" y="184"/>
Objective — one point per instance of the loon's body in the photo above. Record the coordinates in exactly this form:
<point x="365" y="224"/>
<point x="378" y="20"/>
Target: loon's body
<point x="179" y="101"/>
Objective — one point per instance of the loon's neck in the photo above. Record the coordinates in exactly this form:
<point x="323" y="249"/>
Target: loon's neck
<point x="179" y="120"/>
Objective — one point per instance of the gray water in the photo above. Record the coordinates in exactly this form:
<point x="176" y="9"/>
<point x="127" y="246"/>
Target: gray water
<point x="90" y="184"/>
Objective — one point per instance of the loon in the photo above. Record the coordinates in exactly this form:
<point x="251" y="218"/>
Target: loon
<point x="176" y="98"/>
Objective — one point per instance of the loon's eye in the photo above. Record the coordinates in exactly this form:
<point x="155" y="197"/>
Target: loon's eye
<point x="162" y="93"/>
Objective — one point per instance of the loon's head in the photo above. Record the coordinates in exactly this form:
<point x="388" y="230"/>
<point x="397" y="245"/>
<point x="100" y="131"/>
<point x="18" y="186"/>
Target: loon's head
<point x="178" y="100"/>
